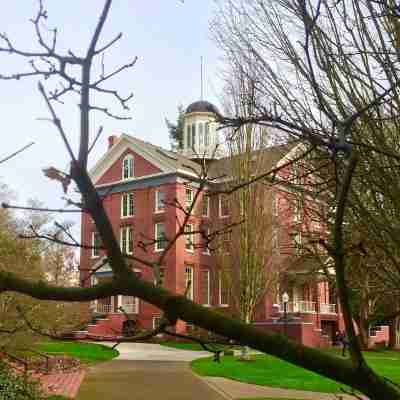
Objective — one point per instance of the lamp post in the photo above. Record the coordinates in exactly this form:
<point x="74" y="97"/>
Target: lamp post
<point x="285" y="300"/>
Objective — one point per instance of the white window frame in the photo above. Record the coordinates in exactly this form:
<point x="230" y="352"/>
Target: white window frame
<point x="190" y="293"/>
<point x="131" y="167"/>
<point x="157" y="243"/>
<point x="220" y="293"/>
<point x="297" y="243"/>
<point x="297" y="210"/>
<point x="95" y="251"/>
<point x="220" y="197"/>
<point x="189" y="237"/>
<point x="126" y="232"/>
<point x="206" y="200"/>
<point x="162" y="276"/>
<point x="157" y="201"/>
<point x="130" y="205"/>
<point x="188" y="202"/>
<point x="206" y="249"/>
<point x="207" y="271"/>
<point x="207" y="138"/>
<point x="156" y="317"/>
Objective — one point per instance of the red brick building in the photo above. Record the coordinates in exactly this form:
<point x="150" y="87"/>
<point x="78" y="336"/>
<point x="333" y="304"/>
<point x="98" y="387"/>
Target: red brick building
<point x="142" y="185"/>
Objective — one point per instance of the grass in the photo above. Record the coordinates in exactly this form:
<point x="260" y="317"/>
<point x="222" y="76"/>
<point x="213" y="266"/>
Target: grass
<point x="270" y="371"/>
<point x="58" y="397"/>
<point x="266" y="398"/>
<point x="86" y="352"/>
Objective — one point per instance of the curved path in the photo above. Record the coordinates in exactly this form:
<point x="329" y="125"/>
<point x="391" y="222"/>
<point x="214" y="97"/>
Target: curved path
<point x="147" y="371"/>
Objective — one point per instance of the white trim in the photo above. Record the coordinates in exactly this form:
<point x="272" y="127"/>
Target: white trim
<point x="220" y="206"/>
<point x="188" y="204"/>
<point x="220" y="304"/>
<point x="131" y="167"/>
<point x="123" y="143"/>
<point x="189" y="235"/>
<point x="208" y="304"/>
<point x="205" y="196"/>
<point x="129" y="194"/>
<point x="93" y="244"/>
<point x="129" y="230"/>
<point x="156" y="195"/>
<point x="156" y="243"/>
<point x="190" y="294"/>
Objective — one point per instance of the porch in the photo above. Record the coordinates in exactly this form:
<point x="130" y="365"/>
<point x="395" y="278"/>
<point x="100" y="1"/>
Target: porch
<point x="116" y="304"/>
<point x="307" y="307"/>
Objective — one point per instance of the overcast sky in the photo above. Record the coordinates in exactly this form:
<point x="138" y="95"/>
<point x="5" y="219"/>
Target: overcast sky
<point x="167" y="36"/>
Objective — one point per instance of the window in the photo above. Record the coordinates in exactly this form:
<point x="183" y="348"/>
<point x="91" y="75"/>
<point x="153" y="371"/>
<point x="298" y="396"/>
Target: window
<point x="275" y="240"/>
<point x="205" y="287"/>
<point x="223" y="293"/>
<point x="189" y="199"/>
<point x="201" y="134"/>
<point x="127" y="167"/>
<point x="126" y="239"/>
<point x="189" y="282"/>
<point x="161" y="241"/>
<point x="223" y="205"/>
<point x="157" y="322"/>
<point x="297" y="243"/>
<point x="159" y="201"/>
<point x="161" y="277"/>
<point x="206" y="205"/>
<point x="96" y="244"/>
<point x="127" y="205"/>
<point x="297" y="210"/>
<point x="189" y="136"/>
<point x="206" y="241"/>
<point x="193" y="136"/>
<point x="189" y="246"/>
<point x="207" y="134"/>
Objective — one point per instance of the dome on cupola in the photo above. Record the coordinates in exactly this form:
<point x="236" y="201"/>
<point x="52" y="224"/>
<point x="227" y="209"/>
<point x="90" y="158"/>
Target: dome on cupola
<point x="200" y="137"/>
<point x="202" y="106"/>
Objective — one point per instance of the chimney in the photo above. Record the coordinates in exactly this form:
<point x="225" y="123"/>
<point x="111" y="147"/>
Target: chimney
<point x="111" y="141"/>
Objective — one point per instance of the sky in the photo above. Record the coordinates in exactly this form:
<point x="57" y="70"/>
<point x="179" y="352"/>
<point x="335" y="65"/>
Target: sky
<point x="167" y="36"/>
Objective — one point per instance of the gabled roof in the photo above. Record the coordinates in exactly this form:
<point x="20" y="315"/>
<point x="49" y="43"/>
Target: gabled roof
<point x="167" y="161"/>
<point x="172" y="162"/>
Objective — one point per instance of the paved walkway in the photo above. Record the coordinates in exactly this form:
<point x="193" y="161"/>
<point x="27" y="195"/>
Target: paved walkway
<point x="64" y="384"/>
<point x="155" y="352"/>
<point x="150" y="371"/>
<point x="145" y="380"/>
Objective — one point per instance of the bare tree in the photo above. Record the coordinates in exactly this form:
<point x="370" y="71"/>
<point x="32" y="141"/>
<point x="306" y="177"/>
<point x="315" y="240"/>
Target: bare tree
<point x="355" y="373"/>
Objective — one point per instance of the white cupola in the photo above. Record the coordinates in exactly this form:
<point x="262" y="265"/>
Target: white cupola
<point x="200" y="137"/>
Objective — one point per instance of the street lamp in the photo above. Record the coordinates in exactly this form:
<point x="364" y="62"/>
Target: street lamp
<point x="285" y="300"/>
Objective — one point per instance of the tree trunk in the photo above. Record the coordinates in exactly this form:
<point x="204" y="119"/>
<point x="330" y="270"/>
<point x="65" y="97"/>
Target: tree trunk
<point x="245" y="350"/>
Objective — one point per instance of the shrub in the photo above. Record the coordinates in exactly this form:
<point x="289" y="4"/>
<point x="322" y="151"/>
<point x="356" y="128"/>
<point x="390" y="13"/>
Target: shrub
<point x="15" y="387"/>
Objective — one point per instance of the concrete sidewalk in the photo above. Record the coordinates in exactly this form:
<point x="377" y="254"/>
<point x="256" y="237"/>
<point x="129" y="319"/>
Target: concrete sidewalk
<point x="155" y="352"/>
<point x="236" y="390"/>
<point x="145" y="380"/>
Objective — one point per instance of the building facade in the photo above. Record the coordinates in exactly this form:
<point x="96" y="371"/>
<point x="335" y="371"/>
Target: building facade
<point x="146" y="190"/>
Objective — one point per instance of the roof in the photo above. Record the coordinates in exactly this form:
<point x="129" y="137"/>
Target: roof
<point x="173" y="162"/>
<point x="268" y="157"/>
<point x="202" y="106"/>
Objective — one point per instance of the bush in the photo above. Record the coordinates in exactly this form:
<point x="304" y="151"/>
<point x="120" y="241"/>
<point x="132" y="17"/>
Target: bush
<point x="15" y="387"/>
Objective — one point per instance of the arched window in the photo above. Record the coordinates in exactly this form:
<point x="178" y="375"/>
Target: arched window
<point x="207" y="134"/>
<point x="193" y="136"/>
<point x="127" y="167"/>
<point x="201" y="134"/>
<point x="189" y="136"/>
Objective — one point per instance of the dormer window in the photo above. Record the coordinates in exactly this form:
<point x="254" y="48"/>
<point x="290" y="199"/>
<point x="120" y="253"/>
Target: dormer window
<point x="127" y="167"/>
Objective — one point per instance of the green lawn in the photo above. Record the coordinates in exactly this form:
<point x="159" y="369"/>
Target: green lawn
<point x="86" y="352"/>
<point x="270" y="371"/>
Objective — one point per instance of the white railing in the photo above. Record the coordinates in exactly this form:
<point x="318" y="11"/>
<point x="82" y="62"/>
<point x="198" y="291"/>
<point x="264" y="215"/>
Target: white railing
<point x="307" y="307"/>
<point x="299" y="306"/>
<point x="102" y="308"/>
<point x="328" y="308"/>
